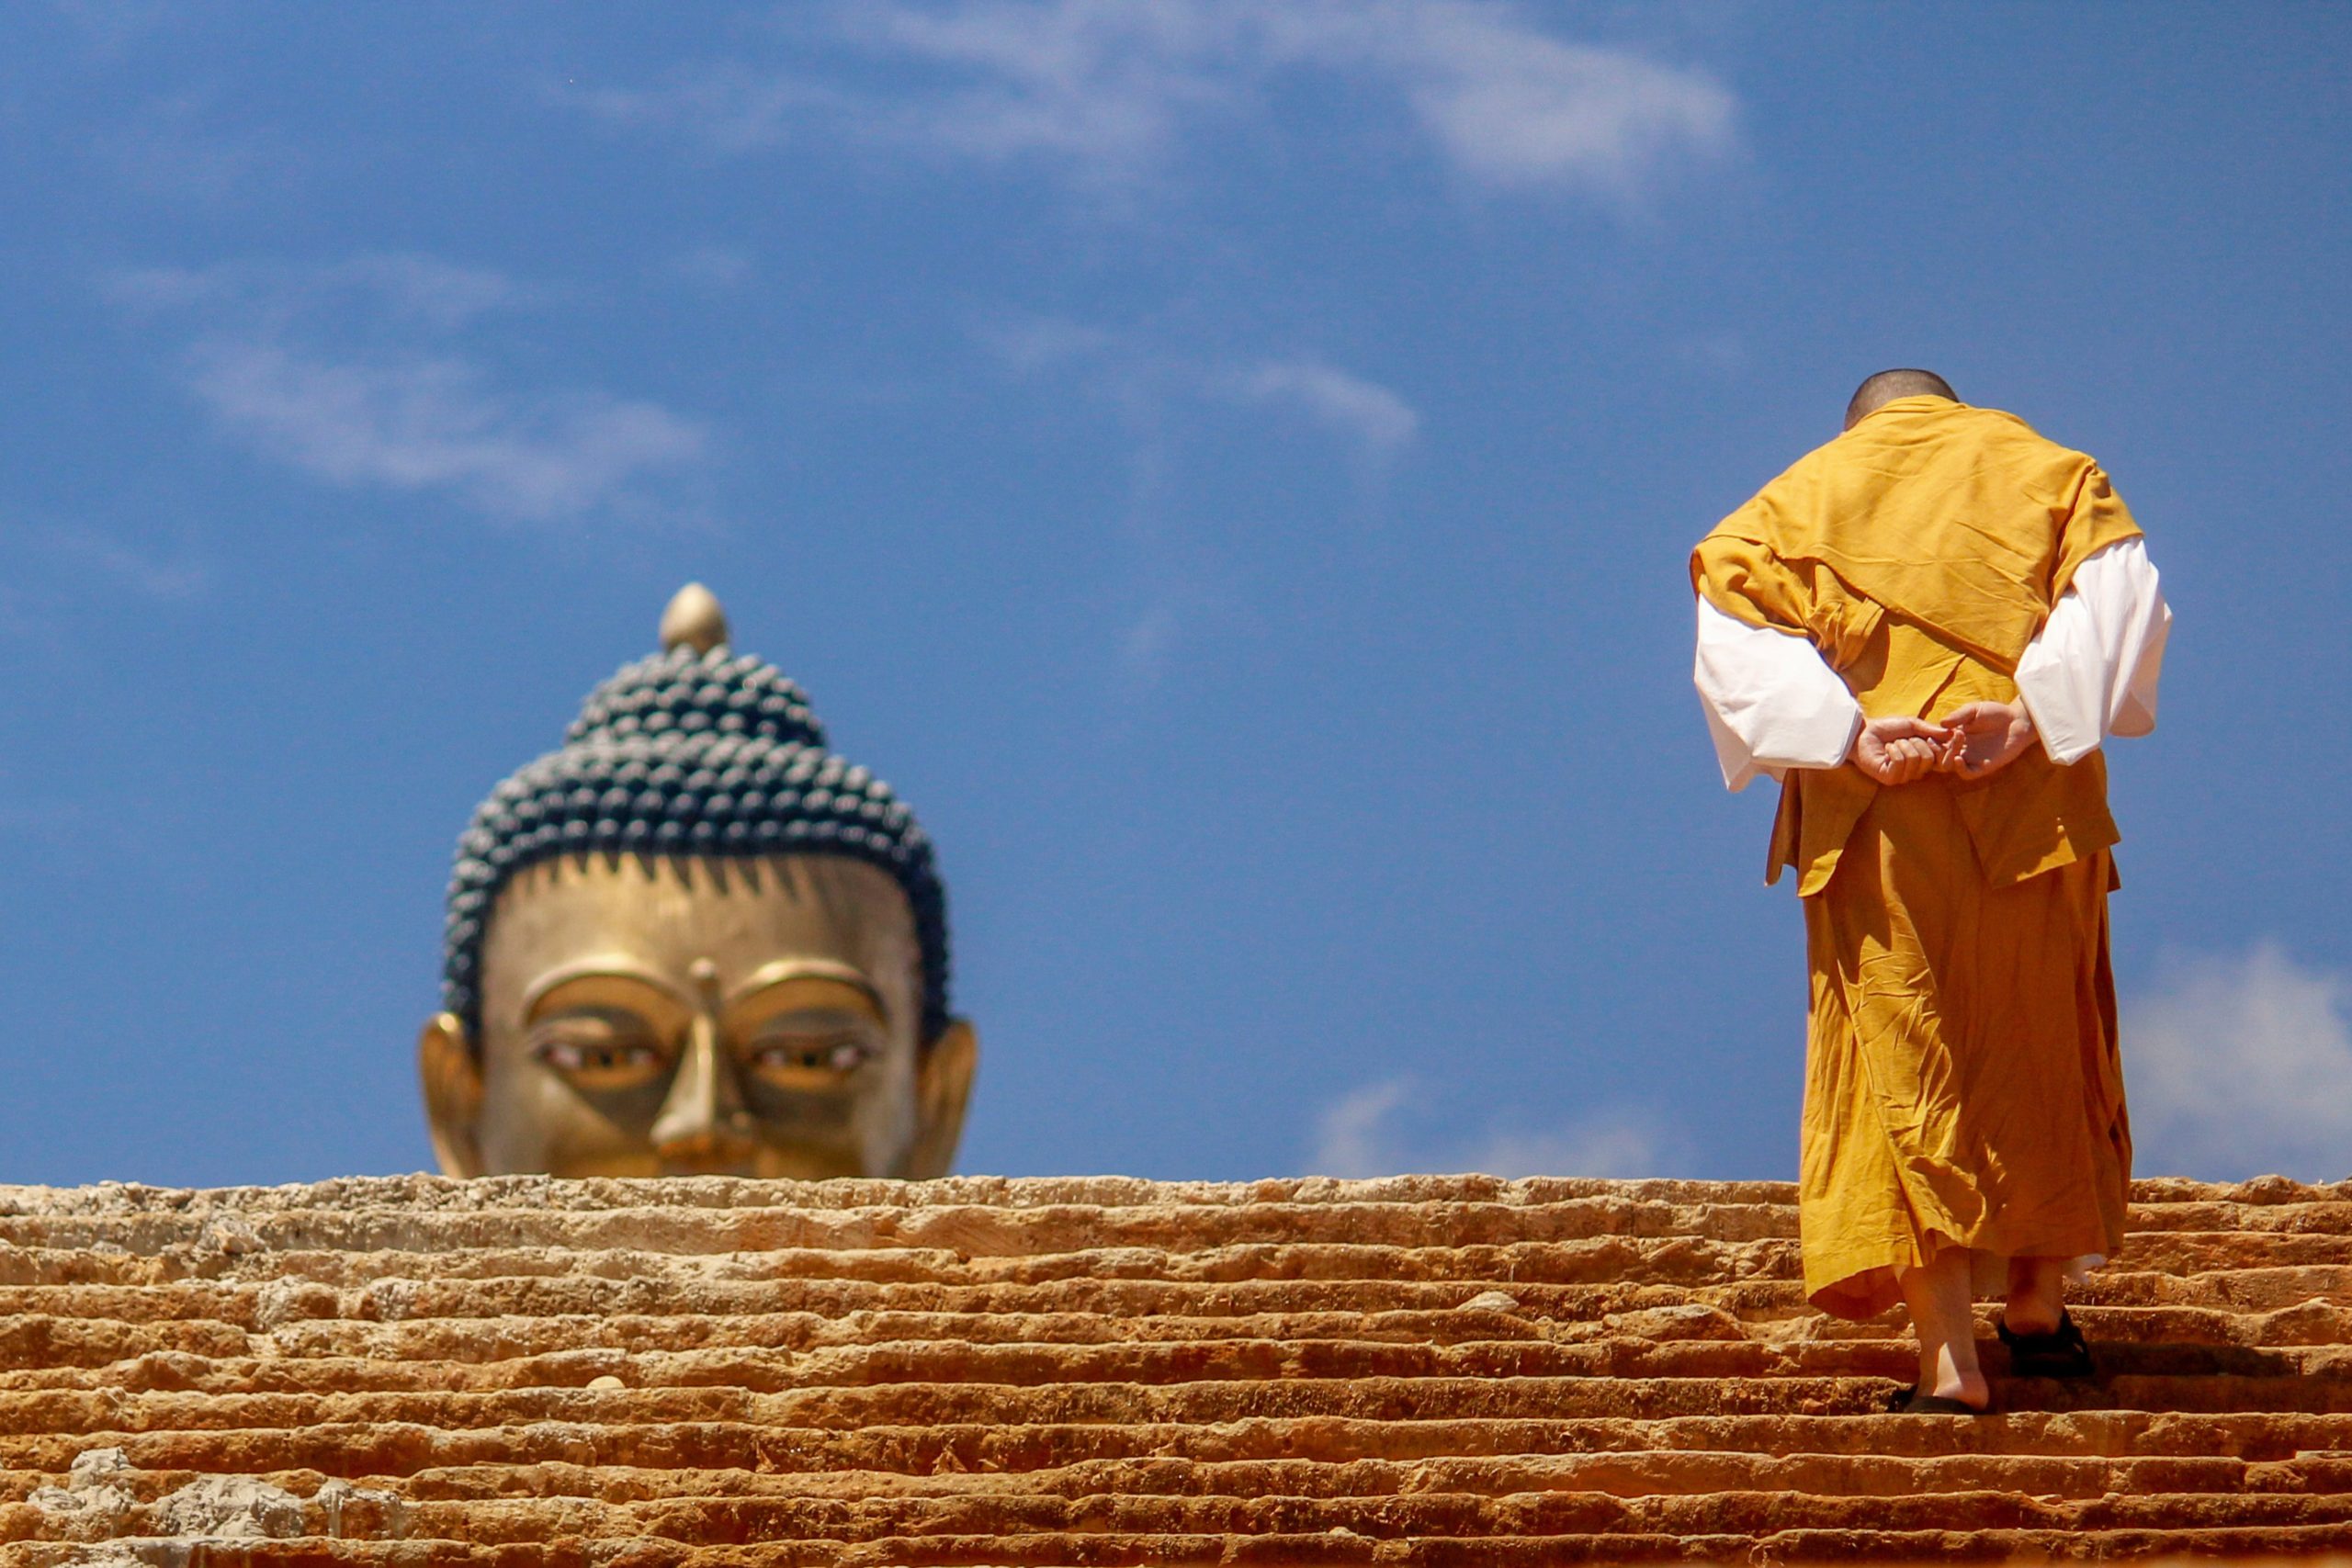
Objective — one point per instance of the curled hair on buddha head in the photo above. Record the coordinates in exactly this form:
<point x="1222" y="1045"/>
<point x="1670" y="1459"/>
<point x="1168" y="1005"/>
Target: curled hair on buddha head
<point x="692" y="752"/>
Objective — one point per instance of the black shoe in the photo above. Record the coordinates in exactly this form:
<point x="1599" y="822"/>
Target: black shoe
<point x="2060" y="1353"/>
<point x="1911" y="1401"/>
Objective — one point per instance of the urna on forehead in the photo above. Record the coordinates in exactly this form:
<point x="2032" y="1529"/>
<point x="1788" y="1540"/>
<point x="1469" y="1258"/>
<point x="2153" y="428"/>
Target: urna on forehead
<point x="693" y="752"/>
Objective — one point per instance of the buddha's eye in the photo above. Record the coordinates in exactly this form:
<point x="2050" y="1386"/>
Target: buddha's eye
<point x="808" y="1058"/>
<point x="598" y="1048"/>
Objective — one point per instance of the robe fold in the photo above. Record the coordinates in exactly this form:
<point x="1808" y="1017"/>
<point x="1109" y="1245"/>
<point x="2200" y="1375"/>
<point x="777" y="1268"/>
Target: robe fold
<point x="1962" y="1082"/>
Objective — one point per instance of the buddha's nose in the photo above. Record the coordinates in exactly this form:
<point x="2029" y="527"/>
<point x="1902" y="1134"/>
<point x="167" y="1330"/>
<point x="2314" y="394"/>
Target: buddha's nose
<point x="703" y="1125"/>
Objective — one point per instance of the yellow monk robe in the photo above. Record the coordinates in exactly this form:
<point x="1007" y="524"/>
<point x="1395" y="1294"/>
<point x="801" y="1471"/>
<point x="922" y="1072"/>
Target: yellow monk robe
<point x="1961" y="1086"/>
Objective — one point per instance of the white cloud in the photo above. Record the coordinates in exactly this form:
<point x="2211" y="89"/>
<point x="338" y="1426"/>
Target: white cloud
<point x="1030" y="344"/>
<point x="88" y="552"/>
<point x="1362" y="410"/>
<point x="352" y="372"/>
<point x="416" y="291"/>
<point x="713" y="267"/>
<point x="1513" y="106"/>
<point x="1359" y="1134"/>
<point x="54" y="574"/>
<point x="1179" y="589"/>
<point x="2237" y="1067"/>
<point x="422" y="422"/>
<point x="1151" y="387"/>
<point x="1110" y="90"/>
<point x="1105" y="88"/>
<point x="107" y="25"/>
<point x="1353" y="1137"/>
<point x="178" y="149"/>
<point x="730" y="107"/>
<point x="1148" y="643"/>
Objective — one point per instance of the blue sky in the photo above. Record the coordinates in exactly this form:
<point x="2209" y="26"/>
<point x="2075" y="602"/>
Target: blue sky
<point x="1230" y="466"/>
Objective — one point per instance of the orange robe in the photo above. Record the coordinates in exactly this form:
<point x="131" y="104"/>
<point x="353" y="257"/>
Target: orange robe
<point x="1963" y="1087"/>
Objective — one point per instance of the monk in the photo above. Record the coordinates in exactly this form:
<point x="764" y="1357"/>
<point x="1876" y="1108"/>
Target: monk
<point x="1924" y="630"/>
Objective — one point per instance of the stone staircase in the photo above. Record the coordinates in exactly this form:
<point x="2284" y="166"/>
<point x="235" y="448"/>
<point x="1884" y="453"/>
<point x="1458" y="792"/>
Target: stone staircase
<point x="1424" y="1370"/>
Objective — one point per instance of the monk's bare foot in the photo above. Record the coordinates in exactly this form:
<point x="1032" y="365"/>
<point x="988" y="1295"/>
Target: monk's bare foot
<point x="1943" y="1374"/>
<point x="1937" y="1293"/>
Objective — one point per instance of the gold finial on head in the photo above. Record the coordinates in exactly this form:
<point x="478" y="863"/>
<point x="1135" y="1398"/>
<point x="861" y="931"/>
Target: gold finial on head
<point x="693" y="620"/>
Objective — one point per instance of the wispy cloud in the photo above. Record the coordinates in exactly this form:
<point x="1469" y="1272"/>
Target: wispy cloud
<point x="357" y="373"/>
<point x="142" y="573"/>
<point x="178" y="149"/>
<point x="726" y="105"/>
<point x="1516" y="107"/>
<point x="713" y="267"/>
<point x="1111" y="91"/>
<point x="1358" y="409"/>
<point x="1153" y="386"/>
<point x="402" y="290"/>
<point x="52" y="572"/>
<point x="1362" y="1134"/>
<point x="426" y="423"/>
<point x="1363" y="411"/>
<point x="1030" y="344"/>
<point x="2237" y="1067"/>
<point x="106" y="27"/>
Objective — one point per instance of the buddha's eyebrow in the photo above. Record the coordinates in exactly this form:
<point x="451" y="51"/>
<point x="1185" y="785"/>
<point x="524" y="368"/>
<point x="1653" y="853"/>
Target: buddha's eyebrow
<point x="596" y="969"/>
<point x="787" y="971"/>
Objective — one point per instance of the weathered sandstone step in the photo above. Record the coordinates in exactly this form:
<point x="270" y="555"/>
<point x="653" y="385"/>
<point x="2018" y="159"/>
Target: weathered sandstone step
<point x="714" y="1214"/>
<point x="1401" y="1517"/>
<point x="288" y="1315"/>
<point x="384" y="1452"/>
<point x="1620" y="1473"/>
<point x="2192" y="1371"/>
<point x="424" y="1194"/>
<point x="1100" y="1369"/>
<point x="357" y="1450"/>
<point x="44" y="1350"/>
<point x="2210" y="1549"/>
<point x="94" y="1416"/>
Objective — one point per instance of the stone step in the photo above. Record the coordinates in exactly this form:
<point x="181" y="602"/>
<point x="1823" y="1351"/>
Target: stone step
<point x="82" y="1325"/>
<point x="973" y="1231"/>
<point x="91" y="1416"/>
<point x="1001" y="1230"/>
<point x="1564" y="1511"/>
<point x="42" y="1350"/>
<point x="354" y="1449"/>
<point x="640" y="1281"/>
<point x="419" y="1194"/>
<point x="360" y="1451"/>
<point x="944" y="1360"/>
<point x="1617" y="1474"/>
<point x="2317" y="1548"/>
<point x="1110" y="1371"/>
<point x="1533" y="1513"/>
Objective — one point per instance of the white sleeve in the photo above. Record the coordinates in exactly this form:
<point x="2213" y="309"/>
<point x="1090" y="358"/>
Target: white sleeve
<point x="1772" y="702"/>
<point x="2091" y="671"/>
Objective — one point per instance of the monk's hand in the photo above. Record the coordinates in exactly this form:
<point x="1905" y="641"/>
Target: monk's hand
<point x="1992" y="736"/>
<point x="1900" y="751"/>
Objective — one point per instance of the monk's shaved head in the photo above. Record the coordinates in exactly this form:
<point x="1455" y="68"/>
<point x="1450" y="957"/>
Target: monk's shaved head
<point x="1888" y="385"/>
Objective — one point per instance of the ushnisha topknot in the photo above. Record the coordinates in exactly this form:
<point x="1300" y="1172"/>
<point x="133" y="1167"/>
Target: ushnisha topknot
<point x="693" y="751"/>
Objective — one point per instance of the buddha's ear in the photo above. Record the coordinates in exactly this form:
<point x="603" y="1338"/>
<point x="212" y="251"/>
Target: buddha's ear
<point x="943" y="1086"/>
<point x="452" y="1093"/>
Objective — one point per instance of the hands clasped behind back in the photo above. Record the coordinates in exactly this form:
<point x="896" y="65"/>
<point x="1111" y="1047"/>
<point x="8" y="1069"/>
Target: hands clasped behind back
<point x="1975" y="742"/>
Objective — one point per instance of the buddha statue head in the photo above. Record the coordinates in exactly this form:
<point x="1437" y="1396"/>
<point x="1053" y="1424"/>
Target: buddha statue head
<point x="693" y="941"/>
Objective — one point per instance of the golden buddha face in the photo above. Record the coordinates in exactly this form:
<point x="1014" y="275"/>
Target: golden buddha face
<point x="659" y="1016"/>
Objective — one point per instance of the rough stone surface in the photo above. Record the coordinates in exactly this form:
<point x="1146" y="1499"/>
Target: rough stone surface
<point x="1418" y="1370"/>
